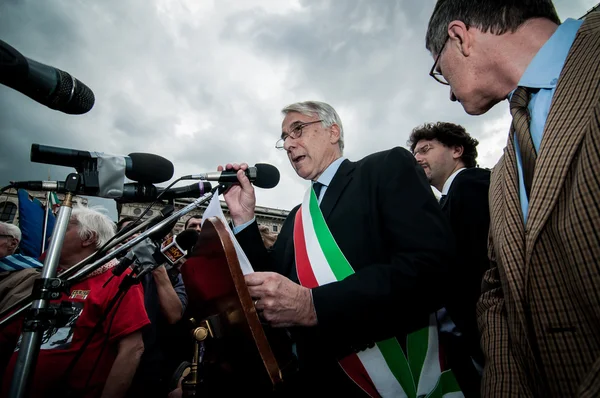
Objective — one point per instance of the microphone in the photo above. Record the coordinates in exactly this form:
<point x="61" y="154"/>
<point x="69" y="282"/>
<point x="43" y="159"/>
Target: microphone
<point x="262" y="175"/>
<point x="132" y="192"/>
<point x="175" y="248"/>
<point x="47" y="85"/>
<point x="148" y="255"/>
<point x="142" y="167"/>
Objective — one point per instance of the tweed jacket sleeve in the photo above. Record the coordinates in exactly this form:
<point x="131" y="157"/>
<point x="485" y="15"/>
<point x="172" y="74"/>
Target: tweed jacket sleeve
<point x="501" y="375"/>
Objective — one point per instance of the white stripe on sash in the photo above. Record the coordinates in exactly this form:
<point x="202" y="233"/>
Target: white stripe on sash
<point x="431" y="370"/>
<point x="380" y="373"/>
<point x="318" y="262"/>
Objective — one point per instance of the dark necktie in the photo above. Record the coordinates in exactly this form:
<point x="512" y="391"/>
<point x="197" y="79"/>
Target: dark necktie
<point x="443" y="200"/>
<point x="317" y="188"/>
<point x="520" y="124"/>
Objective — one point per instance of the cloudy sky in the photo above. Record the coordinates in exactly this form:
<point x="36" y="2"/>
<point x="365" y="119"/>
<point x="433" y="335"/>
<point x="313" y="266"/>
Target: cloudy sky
<point x="202" y="82"/>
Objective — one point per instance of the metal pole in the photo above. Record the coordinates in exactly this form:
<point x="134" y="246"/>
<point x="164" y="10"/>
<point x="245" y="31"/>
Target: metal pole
<point x="45" y="228"/>
<point x="31" y="337"/>
<point x="8" y="314"/>
<point x="83" y="270"/>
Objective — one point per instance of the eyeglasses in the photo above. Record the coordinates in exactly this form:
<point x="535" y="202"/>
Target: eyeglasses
<point x="423" y="150"/>
<point x="434" y="73"/>
<point x="294" y="134"/>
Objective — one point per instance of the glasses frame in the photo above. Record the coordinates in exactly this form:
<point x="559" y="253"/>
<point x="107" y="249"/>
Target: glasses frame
<point x="435" y="74"/>
<point x="423" y="150"/>
<point x="294" y="134"/>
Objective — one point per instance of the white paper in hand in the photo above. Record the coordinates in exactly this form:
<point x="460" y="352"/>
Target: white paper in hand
<point x="214" y="210"/>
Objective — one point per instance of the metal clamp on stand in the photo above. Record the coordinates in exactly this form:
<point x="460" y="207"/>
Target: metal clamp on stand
<point x="209" y="327"/>
<point x="55" y="315"/>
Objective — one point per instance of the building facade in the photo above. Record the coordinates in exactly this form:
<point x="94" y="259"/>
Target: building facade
<point x="9" y="203"/>
<point x="271" y="217"/>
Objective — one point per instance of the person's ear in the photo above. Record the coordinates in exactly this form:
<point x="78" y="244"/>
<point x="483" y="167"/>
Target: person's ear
<point x="335" y="133"/>
<point x="457" y="151"/>
<point x="460" y="37"/>
<point x="90" y="240"/>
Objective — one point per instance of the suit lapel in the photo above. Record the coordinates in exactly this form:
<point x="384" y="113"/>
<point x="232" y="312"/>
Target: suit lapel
<point x="338" y="184"/>
<point x="565" y="127"/>
<point x="509" y="222"/>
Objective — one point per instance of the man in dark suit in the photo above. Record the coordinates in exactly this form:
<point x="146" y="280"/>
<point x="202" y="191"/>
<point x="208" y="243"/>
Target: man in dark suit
<point x="389" y="228"/>
<point x="539" y="314"/>
<point x="448" y="155"/>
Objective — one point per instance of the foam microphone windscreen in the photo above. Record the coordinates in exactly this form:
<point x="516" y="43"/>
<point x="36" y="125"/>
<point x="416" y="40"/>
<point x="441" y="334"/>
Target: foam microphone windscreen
<point x="187" y="239"/>
<point x="267" y="176"/>
<point x="149" y="168"/>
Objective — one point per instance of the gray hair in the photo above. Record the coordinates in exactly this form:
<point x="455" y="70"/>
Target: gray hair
<point x="323" y="111"/>
<point x="10" y="229"/>
<point x="494" y="16"/>
<point x="94" y="222"/>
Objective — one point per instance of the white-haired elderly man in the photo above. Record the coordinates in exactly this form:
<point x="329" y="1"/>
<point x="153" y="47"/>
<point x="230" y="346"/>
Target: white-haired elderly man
<point x="14" y="285"/>
<point x="109" y="362"/>
<point x="10" y="236"/>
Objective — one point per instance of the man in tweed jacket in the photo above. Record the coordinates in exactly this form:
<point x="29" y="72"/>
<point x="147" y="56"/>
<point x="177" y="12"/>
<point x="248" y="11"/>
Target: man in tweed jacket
<point x="539" y="313"/>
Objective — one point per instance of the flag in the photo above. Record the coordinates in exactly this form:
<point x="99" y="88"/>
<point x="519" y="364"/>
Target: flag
<point x="54" y="202"/>
<point x="31" y="223"/>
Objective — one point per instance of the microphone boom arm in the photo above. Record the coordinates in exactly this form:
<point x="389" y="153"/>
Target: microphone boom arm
<point x="25" y="302"/>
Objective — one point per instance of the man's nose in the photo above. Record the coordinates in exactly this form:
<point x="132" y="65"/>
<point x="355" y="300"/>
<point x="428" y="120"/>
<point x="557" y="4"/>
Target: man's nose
<point x="452" y="96"/>
<point x="289" y="143"/>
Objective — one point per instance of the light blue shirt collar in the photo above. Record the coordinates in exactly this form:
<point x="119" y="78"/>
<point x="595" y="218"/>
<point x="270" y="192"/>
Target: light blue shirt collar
<point x="330" y="171"/>
<point x="545" y="68"/>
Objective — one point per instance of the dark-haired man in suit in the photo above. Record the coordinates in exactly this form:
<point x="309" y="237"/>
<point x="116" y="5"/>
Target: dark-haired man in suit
<point x="448" y="155"/>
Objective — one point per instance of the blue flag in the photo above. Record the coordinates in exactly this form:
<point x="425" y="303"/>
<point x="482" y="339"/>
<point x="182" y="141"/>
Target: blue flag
<point x="31" y="222"/>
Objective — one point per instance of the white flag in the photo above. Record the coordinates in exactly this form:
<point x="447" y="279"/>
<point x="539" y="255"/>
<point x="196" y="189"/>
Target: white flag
<point x="214" y="210"/>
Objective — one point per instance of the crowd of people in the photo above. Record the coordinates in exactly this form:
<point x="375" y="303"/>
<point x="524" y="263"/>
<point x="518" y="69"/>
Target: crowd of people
<point x="491" y="289"/>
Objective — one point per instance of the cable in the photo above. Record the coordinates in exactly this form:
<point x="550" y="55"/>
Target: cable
<point x="131" y="225"/>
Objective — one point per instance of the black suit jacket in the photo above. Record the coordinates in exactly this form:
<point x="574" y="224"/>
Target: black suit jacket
<point x="390" y="228"/>
<point x="467" y="209"/>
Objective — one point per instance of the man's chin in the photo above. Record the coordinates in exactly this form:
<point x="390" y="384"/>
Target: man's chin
<point x="478" y="109"/>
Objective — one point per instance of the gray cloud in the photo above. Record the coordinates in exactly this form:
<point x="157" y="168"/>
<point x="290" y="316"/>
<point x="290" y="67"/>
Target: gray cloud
<point x="201" y="83"/>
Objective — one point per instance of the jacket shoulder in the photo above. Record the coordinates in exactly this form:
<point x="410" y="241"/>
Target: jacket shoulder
<point x="396" y="155"/>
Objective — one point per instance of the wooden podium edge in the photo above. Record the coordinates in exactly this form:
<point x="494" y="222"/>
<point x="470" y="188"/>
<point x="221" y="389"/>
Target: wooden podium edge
<point x="258" y="333"/>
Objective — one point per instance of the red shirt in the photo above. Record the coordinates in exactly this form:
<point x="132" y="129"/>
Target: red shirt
<point x="59" y="346"/>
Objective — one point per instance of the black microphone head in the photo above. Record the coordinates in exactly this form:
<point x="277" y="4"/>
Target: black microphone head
<point x="187" y="239"/>
<point x="71" y="96"/>
<point x="168" y="227"/>
<point x="267" y="176"/>
<point x="149" y="168"/>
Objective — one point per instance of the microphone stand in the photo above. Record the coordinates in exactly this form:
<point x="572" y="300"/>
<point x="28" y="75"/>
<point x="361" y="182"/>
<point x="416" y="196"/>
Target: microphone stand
<point x="44" y="289"/>
<point x="48" y="287"/>
<point x="25" y="302"/>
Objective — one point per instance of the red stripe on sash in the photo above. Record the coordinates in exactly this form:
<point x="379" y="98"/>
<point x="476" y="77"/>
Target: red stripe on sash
<point x="357" y="372"/>
<point x="306" y="276"/>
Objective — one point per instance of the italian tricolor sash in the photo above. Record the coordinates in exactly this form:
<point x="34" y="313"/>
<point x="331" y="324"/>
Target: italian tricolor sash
<point x="384" y="370"/>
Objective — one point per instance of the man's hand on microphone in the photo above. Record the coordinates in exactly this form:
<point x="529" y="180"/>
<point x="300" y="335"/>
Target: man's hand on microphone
<point x="240" y="198"/>
<point x="280" y="301"/>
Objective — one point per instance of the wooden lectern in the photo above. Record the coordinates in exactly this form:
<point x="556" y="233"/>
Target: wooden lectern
<point x="238" y="354"/>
